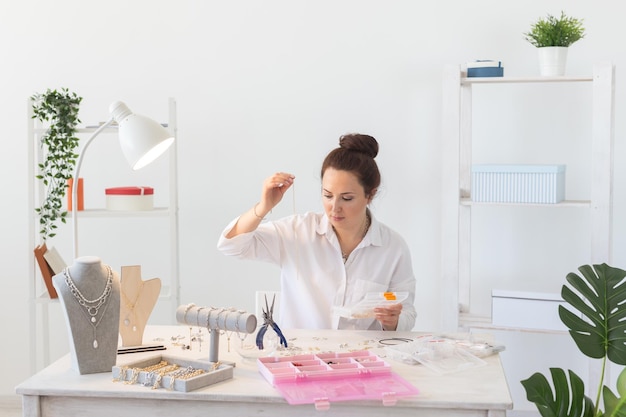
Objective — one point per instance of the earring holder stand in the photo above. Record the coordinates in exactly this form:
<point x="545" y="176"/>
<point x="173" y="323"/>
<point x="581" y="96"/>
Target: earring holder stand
<point x="216" y="320"/>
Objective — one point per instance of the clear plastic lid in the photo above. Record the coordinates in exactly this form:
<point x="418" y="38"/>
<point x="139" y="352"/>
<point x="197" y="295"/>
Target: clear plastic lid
<point x="442" y="354"/>
<point x="365" y="308"/>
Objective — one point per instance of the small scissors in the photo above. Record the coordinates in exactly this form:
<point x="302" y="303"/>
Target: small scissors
<point x="268" y="321"/>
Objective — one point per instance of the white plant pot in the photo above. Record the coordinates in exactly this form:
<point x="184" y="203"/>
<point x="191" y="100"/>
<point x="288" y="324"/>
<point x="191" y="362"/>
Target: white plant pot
<point x="552" y="60"/>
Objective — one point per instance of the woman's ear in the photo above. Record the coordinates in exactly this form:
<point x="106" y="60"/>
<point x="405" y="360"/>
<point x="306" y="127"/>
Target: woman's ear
<point x="370" y="197"/>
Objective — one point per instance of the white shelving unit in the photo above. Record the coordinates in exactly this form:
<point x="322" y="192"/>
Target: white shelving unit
<point x="114" y="244"/>
<point x="457" y="201"/>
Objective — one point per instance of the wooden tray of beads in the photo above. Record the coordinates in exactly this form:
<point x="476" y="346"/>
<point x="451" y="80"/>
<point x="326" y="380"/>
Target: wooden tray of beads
<point x="171" y="373"/>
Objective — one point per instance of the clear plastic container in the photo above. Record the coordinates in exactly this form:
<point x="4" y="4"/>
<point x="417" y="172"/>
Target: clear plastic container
<point x="249" y="351"/>
<point x="443" y="354"/>
<point x="365" y="308"/>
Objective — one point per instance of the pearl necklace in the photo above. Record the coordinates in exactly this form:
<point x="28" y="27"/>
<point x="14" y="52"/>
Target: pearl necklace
<point x="92" y="307"/>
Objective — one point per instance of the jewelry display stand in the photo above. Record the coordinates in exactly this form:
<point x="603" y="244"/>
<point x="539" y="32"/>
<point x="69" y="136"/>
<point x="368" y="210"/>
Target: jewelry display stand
<point x="137" y="300"/>
<point x="216" y="320"/>
<point x="89" y="292"/>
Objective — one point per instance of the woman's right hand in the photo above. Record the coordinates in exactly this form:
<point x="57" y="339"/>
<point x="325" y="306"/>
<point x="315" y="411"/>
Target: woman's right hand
<point x="274" y="187"/>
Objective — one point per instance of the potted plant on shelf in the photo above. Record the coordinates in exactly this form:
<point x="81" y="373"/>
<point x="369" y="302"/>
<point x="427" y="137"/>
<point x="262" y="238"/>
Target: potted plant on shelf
<point x="599" y="331"/>
<point x="58" y="110"/>
<point x="553" y="36"/>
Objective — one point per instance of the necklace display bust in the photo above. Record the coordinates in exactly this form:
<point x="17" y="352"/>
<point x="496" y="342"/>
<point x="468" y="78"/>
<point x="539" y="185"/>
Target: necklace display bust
<point x="89" y="292"/>
<point x="137" y="300"/>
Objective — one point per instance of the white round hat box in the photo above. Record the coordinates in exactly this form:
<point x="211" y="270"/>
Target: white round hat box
<point x="130" y="198"/>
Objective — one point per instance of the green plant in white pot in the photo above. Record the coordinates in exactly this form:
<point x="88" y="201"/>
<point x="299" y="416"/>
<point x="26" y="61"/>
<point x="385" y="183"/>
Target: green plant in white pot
<point x="553" y="36"/>
<point x="599" y="330"/>
<point x="59" y="111"/>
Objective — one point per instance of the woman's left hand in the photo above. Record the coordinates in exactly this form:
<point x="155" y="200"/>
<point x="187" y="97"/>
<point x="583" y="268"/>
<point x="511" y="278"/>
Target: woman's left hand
<point x="388" y="316"/>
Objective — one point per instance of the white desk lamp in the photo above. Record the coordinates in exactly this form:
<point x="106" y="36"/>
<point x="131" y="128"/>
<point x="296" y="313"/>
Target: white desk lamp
<point x="142" y="140"/>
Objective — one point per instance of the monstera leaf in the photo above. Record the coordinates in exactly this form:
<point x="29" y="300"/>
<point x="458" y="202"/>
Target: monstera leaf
<point x="614" y="406"/>
<point x="600" y="296"/>
<point x="559" y="404"/>
<point x="599" y="330"/>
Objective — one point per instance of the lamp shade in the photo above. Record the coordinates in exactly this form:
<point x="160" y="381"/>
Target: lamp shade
<point x="142" y="139"/>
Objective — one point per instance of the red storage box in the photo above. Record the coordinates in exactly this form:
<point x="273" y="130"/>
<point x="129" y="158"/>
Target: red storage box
<point x="130" y="198"/>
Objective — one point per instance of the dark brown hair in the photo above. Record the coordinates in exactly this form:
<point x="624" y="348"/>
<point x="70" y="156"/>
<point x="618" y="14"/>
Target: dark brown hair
<point x="356" y="153"/>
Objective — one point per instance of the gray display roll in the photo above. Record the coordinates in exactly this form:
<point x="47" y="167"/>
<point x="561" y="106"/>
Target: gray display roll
<point x="214" y="318"/>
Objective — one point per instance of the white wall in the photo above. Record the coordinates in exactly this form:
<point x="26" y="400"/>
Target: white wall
<point x="266" y="86"/>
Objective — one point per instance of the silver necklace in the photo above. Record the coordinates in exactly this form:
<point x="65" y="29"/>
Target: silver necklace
<point x="366" y="227"/>
<point x="92" y="307"/>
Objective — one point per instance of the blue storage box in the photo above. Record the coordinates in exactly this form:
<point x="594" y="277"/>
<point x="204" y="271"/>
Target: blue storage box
<point x="485" y="72"/>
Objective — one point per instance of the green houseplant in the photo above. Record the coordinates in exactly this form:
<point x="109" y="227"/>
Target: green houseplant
<point x="59" y="111"/>
<point x="599" y="331"/>
<point x="555" y="31"/>
<point x="552" y="36"/>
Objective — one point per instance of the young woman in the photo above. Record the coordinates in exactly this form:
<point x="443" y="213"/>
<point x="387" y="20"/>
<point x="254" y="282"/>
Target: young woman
<point x="331" y="260"/>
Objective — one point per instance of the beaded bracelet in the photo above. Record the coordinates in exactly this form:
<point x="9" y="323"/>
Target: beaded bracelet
<point x="133" y="376"/>
<point x="245" y="334"/>
<point x="183" y="374"/>
<point x="158" y="375"/>
<point x="254" y="212"/>
<point x="122" y="374"/>
<point x="137" y="371"/>
<point x="187" y="308"/>
<point x="208" y="318"/>
<point x="198" y="315"/>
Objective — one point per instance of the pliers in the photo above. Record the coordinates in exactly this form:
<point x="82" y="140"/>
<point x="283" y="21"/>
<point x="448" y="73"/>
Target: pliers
<point x="268" y="321"/>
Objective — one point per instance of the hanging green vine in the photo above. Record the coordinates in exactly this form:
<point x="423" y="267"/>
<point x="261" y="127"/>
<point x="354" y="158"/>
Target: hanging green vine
<point x="58" y="109"/>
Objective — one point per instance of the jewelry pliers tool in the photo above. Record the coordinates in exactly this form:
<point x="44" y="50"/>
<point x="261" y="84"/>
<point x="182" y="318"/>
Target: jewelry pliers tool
<point x="268" y="321"/>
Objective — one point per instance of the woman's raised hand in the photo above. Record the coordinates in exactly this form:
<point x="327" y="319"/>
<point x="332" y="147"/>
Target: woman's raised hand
<point x="274" y="187"/>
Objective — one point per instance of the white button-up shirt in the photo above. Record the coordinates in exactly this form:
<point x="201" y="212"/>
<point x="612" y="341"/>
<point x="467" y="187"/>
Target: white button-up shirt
<point x="315" y="282"/>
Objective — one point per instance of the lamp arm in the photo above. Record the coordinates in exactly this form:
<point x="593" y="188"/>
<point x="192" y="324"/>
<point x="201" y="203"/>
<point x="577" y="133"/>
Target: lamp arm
<point x="75" y="185"/>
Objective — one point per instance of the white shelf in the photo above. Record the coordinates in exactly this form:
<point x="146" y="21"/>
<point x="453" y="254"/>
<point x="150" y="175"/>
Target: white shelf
<point x="104" y="213"/>
<point x="520" y="80"/>
<point x="468" y="321"/>
<point x="163" y="219"/>
<point x="90" y="129"/>
<point x="457" y="201"/>
<point x="564" y="203"/>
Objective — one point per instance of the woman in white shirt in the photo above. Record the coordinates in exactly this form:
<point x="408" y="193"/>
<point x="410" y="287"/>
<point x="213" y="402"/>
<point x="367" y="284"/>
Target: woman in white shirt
<point x="330" y="260"/>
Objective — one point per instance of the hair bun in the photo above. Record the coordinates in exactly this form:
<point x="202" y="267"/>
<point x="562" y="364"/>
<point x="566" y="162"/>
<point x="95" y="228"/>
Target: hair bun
<point x="359" y="143"/>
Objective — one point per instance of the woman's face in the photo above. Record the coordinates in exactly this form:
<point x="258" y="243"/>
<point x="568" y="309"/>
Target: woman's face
<point x="344" y="199"/>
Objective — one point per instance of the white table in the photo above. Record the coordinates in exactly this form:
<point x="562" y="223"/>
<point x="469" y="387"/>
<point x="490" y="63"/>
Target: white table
<point x="60" y="391"/>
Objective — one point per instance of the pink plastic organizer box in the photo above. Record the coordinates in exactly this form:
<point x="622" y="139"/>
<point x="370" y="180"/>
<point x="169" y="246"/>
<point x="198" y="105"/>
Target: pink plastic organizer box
<point x="327" y="377"/>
